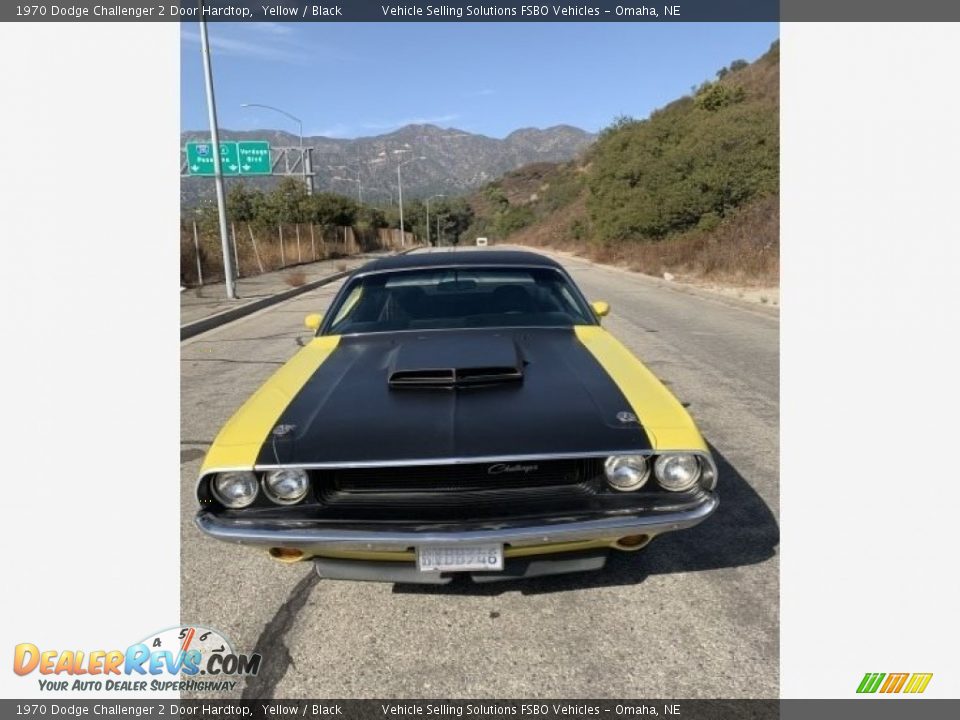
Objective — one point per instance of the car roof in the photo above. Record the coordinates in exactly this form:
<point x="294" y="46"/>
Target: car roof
<point x="459" y="258"/>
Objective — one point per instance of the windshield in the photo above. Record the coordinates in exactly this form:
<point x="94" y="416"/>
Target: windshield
<point x="450" y="298"/>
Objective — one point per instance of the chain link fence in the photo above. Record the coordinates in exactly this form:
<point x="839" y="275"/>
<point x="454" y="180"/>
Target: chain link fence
<point x="259" y="249"/>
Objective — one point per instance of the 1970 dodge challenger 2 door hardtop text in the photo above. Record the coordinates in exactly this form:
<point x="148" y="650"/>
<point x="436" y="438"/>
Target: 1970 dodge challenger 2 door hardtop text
<point x="457" y="413"/>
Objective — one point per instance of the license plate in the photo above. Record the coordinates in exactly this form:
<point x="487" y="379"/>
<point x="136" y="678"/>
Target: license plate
<point x="446" y="558"/>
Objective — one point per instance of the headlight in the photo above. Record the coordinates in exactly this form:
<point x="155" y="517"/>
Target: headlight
<point x="235" y="489"/>
<point x="677" y="472"/>
<point x="286" y="487"/>
<point x="626" y="472"/>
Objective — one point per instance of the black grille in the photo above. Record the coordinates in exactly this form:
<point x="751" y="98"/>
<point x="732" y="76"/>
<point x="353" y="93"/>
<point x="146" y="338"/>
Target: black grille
<point x="461" y="491"/>
<point x="453" y="478"/>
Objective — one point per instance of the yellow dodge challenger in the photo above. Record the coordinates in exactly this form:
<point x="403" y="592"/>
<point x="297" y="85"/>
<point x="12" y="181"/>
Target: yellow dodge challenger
<point x="457" y="413"/>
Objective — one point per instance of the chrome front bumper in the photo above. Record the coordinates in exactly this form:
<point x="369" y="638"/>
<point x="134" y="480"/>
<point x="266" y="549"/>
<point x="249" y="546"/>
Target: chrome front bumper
<point x="306" y="534"/>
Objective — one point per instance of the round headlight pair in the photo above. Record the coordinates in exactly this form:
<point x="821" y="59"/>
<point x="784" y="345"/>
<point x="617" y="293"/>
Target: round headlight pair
<point x="674" y="472"/>
<point x="286" y="487"/>
<point x="237" y="490"/>
<point x="626" y="472"/>
<point x="677" y="472"/>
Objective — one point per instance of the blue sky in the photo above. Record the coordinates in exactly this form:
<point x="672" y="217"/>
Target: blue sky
<point x="357" y="79"/>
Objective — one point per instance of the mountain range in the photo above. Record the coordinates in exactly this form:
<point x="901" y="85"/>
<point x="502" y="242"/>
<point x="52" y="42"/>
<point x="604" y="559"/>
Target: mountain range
<point x="454" y="161"/>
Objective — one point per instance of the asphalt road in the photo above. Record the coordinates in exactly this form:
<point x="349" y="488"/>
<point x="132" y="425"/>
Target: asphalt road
<point x="695" y="615"/>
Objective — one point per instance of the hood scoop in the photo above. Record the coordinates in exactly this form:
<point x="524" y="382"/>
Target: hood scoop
<point x="454" y="377"/>
<point x="463" y="361"/>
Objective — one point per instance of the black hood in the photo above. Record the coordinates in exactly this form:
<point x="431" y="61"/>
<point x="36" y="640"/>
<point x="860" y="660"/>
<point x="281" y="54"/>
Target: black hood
<point x="475" y="394"/>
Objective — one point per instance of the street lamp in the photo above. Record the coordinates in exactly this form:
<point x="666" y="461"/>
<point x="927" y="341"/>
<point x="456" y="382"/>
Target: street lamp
<point x="228" y="268"/>
<point x="400" y="164"/>
<point x="299" y="122"/>
<point x="428" y="217"/>
<point x="388" y="193"/>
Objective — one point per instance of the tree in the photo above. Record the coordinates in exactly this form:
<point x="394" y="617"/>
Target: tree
<point x="369" y="217"/>
<point x="717" y="95"/>
<point x="285" y="204"/>
<point x="454" y="216"/>
<point x="243" y="204"/>
<point x="328" y="209"/>
<point x="689" y="164"/>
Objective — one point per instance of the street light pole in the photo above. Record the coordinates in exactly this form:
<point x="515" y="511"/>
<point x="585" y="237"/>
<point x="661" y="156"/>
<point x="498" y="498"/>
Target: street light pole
<point x="228" y="269"/>
<point x="307" y="178"/>
<point x="359" y="186"/>
<point x="440" y="195"/>
<point x="388" y="193"/>
<point x="400" y="164"/>
<point x="403" y="236"/>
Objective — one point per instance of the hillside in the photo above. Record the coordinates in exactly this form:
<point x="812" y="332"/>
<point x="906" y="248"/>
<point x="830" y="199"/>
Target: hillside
<point x="456" y="161"/>
<point x="691" y="190"/>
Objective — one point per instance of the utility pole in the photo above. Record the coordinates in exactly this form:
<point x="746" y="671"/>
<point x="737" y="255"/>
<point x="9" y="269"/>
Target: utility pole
<point x="428" y="218"/>
<point x="228" y="269"/>
<point x="359" y="188"/>
<point x="400" y="164"/>
<point x="403" y="237"/>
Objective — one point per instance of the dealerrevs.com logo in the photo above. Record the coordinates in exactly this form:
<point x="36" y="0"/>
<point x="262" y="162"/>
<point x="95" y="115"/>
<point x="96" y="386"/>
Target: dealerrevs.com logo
<point x="911" y="683"/>
<point x="153" y="663"/>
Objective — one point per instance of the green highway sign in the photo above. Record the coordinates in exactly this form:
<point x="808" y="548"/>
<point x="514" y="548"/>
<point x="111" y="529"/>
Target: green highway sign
<point x="254" y="157"/>
<point x="236" y="158"/>
<point x="200" y="158"/>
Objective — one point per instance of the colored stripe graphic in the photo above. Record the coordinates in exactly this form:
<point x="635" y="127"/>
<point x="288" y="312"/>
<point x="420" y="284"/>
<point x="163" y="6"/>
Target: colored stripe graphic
<point x="918" y="682"/>
<point x="870" y="682"/>
<point x="666" y="422"/>
<point x="894" y="682"/>
<point x="240" y="440"/>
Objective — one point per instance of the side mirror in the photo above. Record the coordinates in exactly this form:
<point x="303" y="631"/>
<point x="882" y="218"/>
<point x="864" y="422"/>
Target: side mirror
<point x="601" y="308"/>
<point x="313" y="321"/>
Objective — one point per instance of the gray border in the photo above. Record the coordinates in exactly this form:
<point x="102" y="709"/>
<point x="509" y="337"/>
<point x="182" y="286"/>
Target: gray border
<point x="601" y="11"/>
<point x="853" y="709"/>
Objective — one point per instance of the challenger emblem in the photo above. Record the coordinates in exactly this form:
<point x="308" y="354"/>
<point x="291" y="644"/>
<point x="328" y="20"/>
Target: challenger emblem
<point x="504" y="468"/>
<point x="626" y="417"/>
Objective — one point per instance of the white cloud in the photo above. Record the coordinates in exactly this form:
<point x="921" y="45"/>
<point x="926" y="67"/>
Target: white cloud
<point x="242" y="48"/>
<point x="272" y="28"/>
